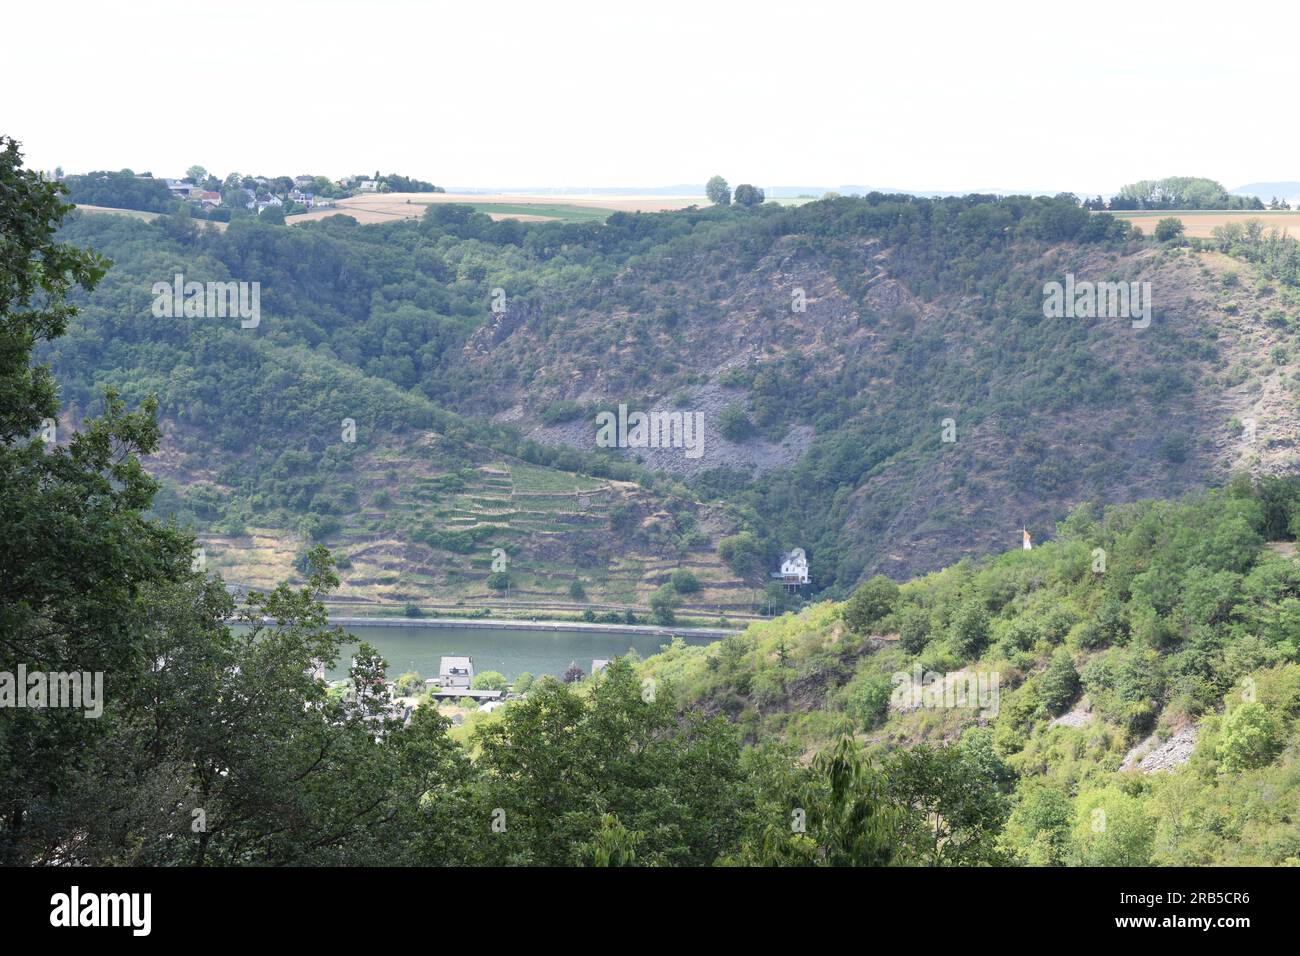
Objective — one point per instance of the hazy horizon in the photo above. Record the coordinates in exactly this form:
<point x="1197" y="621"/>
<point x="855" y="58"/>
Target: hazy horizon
<point x="920" y="99"/>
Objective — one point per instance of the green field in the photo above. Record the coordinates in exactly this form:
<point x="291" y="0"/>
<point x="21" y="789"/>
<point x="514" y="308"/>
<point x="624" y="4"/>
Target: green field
<point x="533" y="479"/>
<point x="558" y="211"/>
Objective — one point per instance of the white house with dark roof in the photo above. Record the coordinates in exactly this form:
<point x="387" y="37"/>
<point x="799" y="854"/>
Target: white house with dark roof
<point x="794" y="568"/>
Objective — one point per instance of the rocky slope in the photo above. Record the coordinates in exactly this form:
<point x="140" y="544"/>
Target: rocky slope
<point x="1044" y="416"/>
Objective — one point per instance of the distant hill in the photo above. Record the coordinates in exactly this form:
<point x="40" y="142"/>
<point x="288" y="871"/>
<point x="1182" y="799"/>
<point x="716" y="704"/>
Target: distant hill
<point x="1288" y="190"/>
<point x="789" y="192"/>
<point x="898" y="337"/>
<point x="773" y="192"/>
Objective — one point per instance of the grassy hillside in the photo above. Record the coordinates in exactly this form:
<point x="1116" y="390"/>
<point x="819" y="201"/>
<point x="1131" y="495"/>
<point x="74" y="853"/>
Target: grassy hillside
<point x="1148" y="684"/>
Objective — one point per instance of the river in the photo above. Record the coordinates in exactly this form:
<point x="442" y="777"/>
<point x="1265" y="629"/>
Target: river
<point x="498" y="649"/>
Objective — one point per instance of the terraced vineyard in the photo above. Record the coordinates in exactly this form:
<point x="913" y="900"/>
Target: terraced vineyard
<point x="438" y="538"/>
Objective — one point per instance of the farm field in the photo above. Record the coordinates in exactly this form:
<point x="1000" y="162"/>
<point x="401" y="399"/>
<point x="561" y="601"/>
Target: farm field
<point x="141" y="214"/>
<point x="133" y="213"/>
<point x="574" y="207"/>
<point x="392" y="207"/>
<point x="1200" y="223"/>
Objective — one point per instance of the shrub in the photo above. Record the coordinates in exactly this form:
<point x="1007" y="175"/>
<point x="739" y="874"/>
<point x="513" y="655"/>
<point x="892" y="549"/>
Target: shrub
<point x="742" y="553"/>
<point x="1058" y="622"/>
<point x="1139" y="720"/>
<point x="866" y="699"/>
<point x="684" y="582"/>
<point x="1250" y="737"/>
<point x="564" y="410"/>
<point x="490" y="680"/>
<point x="1019" y="636"/>
<point x="870" y="604"/>
<point x="1113" y="828"/>
<point x="1060" y="682"/>
<point x="913" y="629"/>
<point x="970" y="629"/>
<point x="663" y="604"/>
<point x="1169" y="229"/>
<point x="409" y="683"/>
<point x="768" y="688"/>
<point x="1173" y="447"/>
<point x="1111" y="623"/>
<point x="735" y="425"/>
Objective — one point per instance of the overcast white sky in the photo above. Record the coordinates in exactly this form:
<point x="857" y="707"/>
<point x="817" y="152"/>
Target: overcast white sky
<point x="914" y="94"/>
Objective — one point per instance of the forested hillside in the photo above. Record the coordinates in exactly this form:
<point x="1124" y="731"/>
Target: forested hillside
<point x="1135" y="692"/>
<point x="1137" y="697"/>
<point x="877" y="381"/>
<point x="255" y="456"/>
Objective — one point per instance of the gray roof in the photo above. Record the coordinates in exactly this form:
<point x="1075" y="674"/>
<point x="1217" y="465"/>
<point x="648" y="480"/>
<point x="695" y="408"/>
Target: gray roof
<point x="455" y="663"/>
<point x="458" y="692"/>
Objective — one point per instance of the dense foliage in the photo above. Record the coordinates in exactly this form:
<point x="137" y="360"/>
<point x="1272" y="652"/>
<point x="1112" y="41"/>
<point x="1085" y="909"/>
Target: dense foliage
<point x="1138" y="627"/>
<point x="120" y="190"/>
<point x="371" y="323"/>
<point x="217" y="745"/>
<point x="1180" y="192"/>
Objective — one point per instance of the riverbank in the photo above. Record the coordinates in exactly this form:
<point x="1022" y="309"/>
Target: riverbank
<point x="504" y="624"/>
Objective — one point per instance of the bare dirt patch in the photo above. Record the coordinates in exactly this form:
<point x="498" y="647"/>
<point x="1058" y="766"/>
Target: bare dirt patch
<point x="1200" y="225"/>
